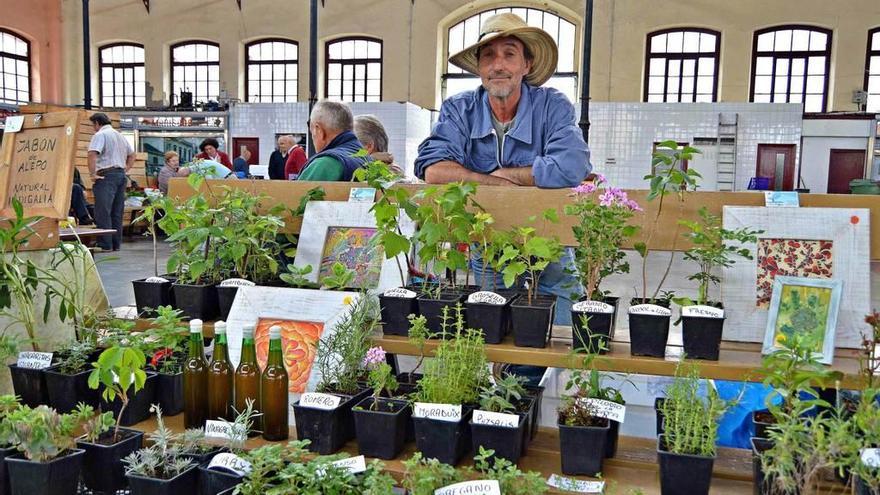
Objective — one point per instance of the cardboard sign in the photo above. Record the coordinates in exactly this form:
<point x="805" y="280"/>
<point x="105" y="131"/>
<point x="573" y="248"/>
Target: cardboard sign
<point x="487" y="297"/>
<point x="361" y="195"/>
<point x="490" y="418"/>
<point x="317" y="400"/>
<point x="871" y="457"/>
<point x="400" y="292"/>
<point x="573" y="485"/>
<point x="649" y="309"/>
<point x="702" y="311"/>
<point x="476" y="487"/>
<point x="592" y="307"/>
<point x="231" y="463"/>
<point x="13" y="124"/>
<point x="441" y="412"/>
<point x="606" y="409"/>
<point x="34" y="360"/>
<point x="156" y="280"/>
<point x="223" y="430"/>
<point x="236" y="282"/>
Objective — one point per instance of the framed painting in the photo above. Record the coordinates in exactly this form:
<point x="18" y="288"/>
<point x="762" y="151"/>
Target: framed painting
<point x="803" y="308"/>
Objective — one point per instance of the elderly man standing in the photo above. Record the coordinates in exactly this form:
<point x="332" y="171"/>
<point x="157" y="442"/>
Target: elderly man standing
<point x="110" y="158"/>
<point x="287" y="152"/>
<point x="371" y="133"/>
<point x="335" y="143"/>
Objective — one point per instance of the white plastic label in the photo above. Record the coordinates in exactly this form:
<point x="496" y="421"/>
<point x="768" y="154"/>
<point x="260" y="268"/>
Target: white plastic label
<point x="230" y="462"/>
<point x="573" y="485"/>
<point x="222" y="430"/>
<point x="13" y="123"/>
<point x="236" y="282"/>
<point x="702" y="311"/>
<point x="592" y="307"/>
<point x="486" y="297"/>
<point x="317" y="400"/>
<point x="476" y="487"/>
<point x="400" y="292"/>
<point x="649" y="309"/>
<point x="442" y="412"/>
<point x="361" y="195"/>
<point x="34" y="360"/>
<point x="354" y="465"/>
<point x="490" y="418"/>
<point x="156" y="280"/>
<point x="871" y="457"/>
<point x="606" y="409"/>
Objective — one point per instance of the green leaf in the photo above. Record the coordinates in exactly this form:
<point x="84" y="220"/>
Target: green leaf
<point x="641" y="248"/>
<point x="551" y="214"/>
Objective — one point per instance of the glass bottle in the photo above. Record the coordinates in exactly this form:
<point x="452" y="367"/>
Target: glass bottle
<point x="273" y="391"/>
<point x="247" y="375"/>
<point x="220" y="376"/>
<point x="195" y="379"/>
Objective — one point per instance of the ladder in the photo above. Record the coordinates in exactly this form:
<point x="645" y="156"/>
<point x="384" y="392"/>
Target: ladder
<point x="726" y="158"/>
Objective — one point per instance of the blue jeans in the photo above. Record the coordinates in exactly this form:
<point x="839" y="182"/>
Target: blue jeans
<point x="109" y="194"/>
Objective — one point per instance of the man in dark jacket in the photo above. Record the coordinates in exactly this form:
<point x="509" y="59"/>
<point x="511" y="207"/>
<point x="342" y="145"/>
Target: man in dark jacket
<point x="335" y="142"/>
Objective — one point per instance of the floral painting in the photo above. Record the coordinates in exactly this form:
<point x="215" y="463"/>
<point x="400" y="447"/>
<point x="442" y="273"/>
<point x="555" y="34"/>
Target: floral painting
<point x="351" y="246"/>
<point x="299" y="343"/>
<point x="803" y="311"/>
<point x="790" y="257"/>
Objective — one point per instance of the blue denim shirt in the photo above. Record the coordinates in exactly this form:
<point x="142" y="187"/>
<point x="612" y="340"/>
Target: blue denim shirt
<point x="544" y="136"/>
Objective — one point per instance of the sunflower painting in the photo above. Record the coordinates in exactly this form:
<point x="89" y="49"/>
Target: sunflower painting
<point x="804" y="309"/>
<point x="299" y="343"/>
<point x="352" y="247"/>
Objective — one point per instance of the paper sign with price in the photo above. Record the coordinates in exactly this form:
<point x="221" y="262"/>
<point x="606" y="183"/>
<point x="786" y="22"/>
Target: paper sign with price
<point x="317" y="400"/>
<point x="476" y="487"/>
<point x="34" y="360"/>
<point x="573" y="485"/>
<point x="442" y="412"/>
<point x="606" y="409"/>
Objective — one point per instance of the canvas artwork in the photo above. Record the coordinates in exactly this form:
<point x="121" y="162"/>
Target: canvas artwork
<point x="299" y="344"/>
<point x="790" y="257"/>
<point x="803" y="308"/>
<point x="352" y="247"/>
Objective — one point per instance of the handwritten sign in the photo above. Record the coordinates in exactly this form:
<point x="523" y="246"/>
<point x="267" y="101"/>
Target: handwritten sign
<point x="156" y="280"/>
<point x="230" y="462"/>
<point x="34" y="360"/>
<point x="400" y="292"/>
<point x="316" y="400"/>
<point x="592" y="307"/>
<point x="649" y="309"/>
<point x="476" y="487"/>
<point x="490" y="418"/>
<point x="573" y="485"/>
<point x="223" y="430"/>
<point x="441" y="412"/>
<point x="871" y="457"/>
<point x="353" y="465"/>
<point x="236" y="282"/>
<point x="486" y="297"/>
<point x="702" y="311"/>
<point x="605" y="409"/>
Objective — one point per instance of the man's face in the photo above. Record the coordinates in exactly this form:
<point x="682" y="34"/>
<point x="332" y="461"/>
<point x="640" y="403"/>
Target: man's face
<point x="319" y="136"/>
<point x="283" y="144"/>
<point x="210" y="150"/>
<point x="173" y="162"/>
<point x="502" y="66"/>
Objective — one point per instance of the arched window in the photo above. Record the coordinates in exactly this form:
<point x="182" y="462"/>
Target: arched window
<point x="271" y="67"/>
<point x="872" y="71"/>
<point x="354" y="69"/>
<point x="467" y="32"/>
<point x="195" y="67"/>
<point x="121" y="73"/>
<point x="682" y="65"/>
<point x="790" y="65"/>
<point x="15" y="68"/>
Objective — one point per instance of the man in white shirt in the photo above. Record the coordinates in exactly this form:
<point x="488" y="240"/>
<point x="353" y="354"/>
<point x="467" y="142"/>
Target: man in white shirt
<point x="110" y="158"/>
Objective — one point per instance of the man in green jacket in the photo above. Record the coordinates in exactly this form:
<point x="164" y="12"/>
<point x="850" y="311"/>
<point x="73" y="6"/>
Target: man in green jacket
<point x="332" y="133"/>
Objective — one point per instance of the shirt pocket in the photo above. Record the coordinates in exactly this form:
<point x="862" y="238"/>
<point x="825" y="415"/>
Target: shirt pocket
<point x="483" y="157"/>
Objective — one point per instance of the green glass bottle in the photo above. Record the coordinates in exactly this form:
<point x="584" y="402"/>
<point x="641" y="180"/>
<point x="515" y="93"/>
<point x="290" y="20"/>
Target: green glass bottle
<point x="273" y="391"/>
<point x="247" y="376"/>
<point x="195" y="379"/>
<point x="220" y="376"/>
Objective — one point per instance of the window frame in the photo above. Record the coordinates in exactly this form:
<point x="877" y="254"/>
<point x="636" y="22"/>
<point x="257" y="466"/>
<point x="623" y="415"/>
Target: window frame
<point x="248" y="63"/>
<point x="789" y="55"/>
<point x="870" y="52"/>
<point x="26" y="59"/>
<point x="354" y="61"/>
<point x="174" y="64"/>
<point x="123" y="65"/>
<point x="682" y="56"/>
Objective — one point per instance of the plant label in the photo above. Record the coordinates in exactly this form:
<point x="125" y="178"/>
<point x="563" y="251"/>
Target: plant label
<point x="34" y="360"/>
<point x="871" y="457"/>
<point x="606" y="409"/>
<point x="702" y="311"/>
<point x="486" y="297"/>
<point x="361" y="195"/>
<point x="317" y="400"/>
<point x="236" y="282"/>
<point x="573" y="485"/>
<point x="354" y="465"/>
<point x="490" y="418"/>
<point x="230" y="462"/>
<point x="156" y="280"/>
<point x="400" y="292"/>
<point x="649" y="309"/>
<point x="441" y="412"/>
<point x="223" y="430"/>
<point x="592" y="307"/>
<point x="476" y="487"/>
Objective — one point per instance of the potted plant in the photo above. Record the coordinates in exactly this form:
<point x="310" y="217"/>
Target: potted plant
<point x="267" y="462"/>
<point x="128" y="389"/>
<point x="380" y="423"/>
<point x="602" y="228"/>
<point x="702" y="323"/>
<point x="161" y="468"/>
<point x="214" y="477"/>
<point x="686" y="449"/>
<point x="510" y="479"/>
<point x="167" y="337"/>
<point x="581" y="425"/>
<point x="8" y="404"/>
<point x="67" y="383"/>
<point x="417" y="336"/>
<point x="325" y="475"/>
<point x="502" y="422"/>
<point x="649" y="315"/>
<point x="489" y="309"/>
<point x="105" y="445"/>
<point x="155" y="291"/>
<point x="863" y="433"/>
<point x="423" y="475"/>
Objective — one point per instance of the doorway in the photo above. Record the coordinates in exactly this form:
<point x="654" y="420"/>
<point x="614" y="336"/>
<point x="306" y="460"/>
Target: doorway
<point x="844" y="166"/>
<point x="776" y="161"/>
<point x="251" y="143"/>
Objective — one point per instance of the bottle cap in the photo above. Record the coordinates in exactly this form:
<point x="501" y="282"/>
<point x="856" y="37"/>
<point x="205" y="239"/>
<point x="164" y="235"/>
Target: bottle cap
<point x="195" y="326"/>
<point x="219" y="327"/>
<point x="274" y="332"/>
<point x="247" y="331"/>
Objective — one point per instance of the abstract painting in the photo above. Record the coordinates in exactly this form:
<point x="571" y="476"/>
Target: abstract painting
<point x="804" y="310"/>
<point x="790" y="257"/>
<point x="352" y="247"/>
<point x="299" y="344"/>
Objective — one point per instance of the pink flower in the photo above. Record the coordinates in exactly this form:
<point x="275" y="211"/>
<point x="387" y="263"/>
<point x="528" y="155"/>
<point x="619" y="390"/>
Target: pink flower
<point x="633" y="205"/>
<point x="375" y="356"/>
<point x="606" y="198"/>
<point x="600" y="178"/>
<point x="585" y="188"/>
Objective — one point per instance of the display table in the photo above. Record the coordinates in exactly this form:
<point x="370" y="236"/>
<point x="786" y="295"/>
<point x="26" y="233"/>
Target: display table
<point x="76" y="233"/>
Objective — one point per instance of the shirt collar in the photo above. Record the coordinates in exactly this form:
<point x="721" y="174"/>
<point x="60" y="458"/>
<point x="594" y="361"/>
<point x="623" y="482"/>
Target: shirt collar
<point x="522" y="126"/>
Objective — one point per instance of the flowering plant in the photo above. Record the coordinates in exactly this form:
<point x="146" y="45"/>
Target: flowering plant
<point x="381" y="376"/>
<point x="603" y="215"/>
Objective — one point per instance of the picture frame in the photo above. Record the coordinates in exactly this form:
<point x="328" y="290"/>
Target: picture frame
<point x="800" y="301"/>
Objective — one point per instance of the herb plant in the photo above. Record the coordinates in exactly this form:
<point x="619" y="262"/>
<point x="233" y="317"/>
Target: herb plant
<point x="341" y="354"/>
<point x="422" y="476"/>
<point x="869" y="358"/>
<point x="529" y="254"/>
<point x="150" y="215"/>
<point x="167" y="337"/>
<point x="8" y="404"/>
<point x="96" y="425"/>
<point x="510" y="478"/>
<point x="266" y="462"/>
<point x="691" y="421"/>
<point x="192" y="229"/>
<point x="120" y="370"/>
<point x="583" y="383"/>
<point x="418" y="337"/>
<point x="381" y="376"/>
<point x="75" y="356"/>
<point x="163" y="459"/>
<point x="504" y="395"/>
<point x="319" y="476"/>
<point x="42" y="434"/>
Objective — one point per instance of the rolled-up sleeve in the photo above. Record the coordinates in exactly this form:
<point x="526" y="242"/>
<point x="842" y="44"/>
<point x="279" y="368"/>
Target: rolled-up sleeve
<point x="447" y="141"/>
<point x="97" y="142"/>
<point x="565" y="161"/>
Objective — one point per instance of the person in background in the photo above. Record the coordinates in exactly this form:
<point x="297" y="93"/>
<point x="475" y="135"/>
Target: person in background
<point x="78" y="201"/>
<point x="110" y="158"/>
<point x="287" y="159"/>
<point x="241" y="165"/>
<point x="171" y="169"/>
<point x="211" y="151"/>
<point x="331" y="126"/>
<point x="209" y="169"/>
<point x="296" y="159"/>
<point x="371" y="133"/>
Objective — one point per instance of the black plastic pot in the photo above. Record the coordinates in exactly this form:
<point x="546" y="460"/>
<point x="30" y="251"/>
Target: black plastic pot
<point x="381" y="433"/>
<point x="445" y="441"/>
<point x="138" y="404"/>
<point x="596" y="336"/>
<point x="761" y="427"/>
<point x="66" y="391"/>
<point x="30" y="385"/>
<point x="59" y="476"/>
<point x="169" y="393"/>
<point x="184" y="483"/>
<point x="611" y="443"/>
<point x="197" y="301"/>
<point x="103" y="470"/>
<point x="683" y="474"/>
<point x="863" y="488"/>
<point x="225" y="298"/>
<point x="395" y="313"/>
<point x="505" y="441"/>
<point x="492" y="319"/>
<point x="702" y="337"/>
<point x="648" y="335"/>
<point x="537" y="393"/>
<point x="328" y="431"/>
<point x="213" y="482"/>
<point x="582" y="448"/>
<point x="151" y="295"/>
<point x="658" y="414"/>
<point x="432" y="310"/>
<point x="531" y="323"/>
<point x="760" y="485"/>
<point x="4" y="476"/>
<point x="203" y="456"/>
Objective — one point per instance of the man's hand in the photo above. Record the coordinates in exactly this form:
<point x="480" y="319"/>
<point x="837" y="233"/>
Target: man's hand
<point x="446" y="172"/>
<point x="520" y="176"/>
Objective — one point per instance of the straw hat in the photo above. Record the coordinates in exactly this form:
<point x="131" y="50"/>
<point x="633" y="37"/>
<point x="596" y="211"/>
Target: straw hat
<point x="537" y="40"/>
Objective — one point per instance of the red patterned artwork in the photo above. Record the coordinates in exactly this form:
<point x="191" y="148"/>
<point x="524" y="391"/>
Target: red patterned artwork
<point x="299" y="343"/>
<point x="790" y="257"/>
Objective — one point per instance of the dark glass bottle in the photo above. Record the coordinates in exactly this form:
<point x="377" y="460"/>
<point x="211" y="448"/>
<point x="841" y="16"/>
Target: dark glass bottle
<point x="273" y="391"/>
<point x="220" y="377"/>
<point x="195" y="379"/>
<point x="247" y="375"/>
